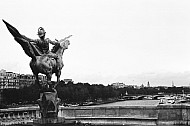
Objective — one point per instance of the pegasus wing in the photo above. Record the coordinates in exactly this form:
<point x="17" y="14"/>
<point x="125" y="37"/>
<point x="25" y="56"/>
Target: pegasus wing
<point x="21" y="39"/>
<point x="12" y="30"/>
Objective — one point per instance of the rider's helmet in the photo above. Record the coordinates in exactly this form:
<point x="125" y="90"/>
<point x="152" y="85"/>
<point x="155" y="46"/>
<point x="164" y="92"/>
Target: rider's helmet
<point x="41" y="32"/>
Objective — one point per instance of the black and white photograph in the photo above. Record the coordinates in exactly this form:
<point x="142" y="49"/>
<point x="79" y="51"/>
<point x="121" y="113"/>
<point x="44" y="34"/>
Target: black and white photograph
<point x="94" y="62"/>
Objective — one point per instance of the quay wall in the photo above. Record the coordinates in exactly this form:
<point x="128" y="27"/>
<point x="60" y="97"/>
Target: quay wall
<point x="129" y="115"/>
<point x="116" y="115"/>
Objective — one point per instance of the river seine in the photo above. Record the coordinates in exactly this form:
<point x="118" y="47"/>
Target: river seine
<point x="131" y="103"/>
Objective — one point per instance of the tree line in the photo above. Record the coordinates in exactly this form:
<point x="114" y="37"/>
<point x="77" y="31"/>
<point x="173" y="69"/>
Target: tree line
<point x="68" y="93"/>
<point x="82" y="92"/>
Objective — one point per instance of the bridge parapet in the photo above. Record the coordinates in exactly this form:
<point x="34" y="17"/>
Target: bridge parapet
<point x="128" y="115"/>
<point x="128" y="111"/>
<point x="21" y="115"/>
<point x="146" y="115"/>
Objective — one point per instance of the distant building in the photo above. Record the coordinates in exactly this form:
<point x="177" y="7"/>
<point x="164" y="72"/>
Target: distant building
<point x="118" y="85"/>
<point x="8" y="80"/>
<point x="142" y="86"/>
<point x="1" y="97"/>
<point x="148" y="84"/>
<point x="15" y="80"/>
<point x="26" y="80"/>
<point x="161" y="87"/>
<point x="132" y="86"/>
<point x="173" y="84"/>
<point x="68" y="80"/>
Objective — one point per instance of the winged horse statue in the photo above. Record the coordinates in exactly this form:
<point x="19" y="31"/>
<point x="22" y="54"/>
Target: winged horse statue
<point x="41" y="63"/>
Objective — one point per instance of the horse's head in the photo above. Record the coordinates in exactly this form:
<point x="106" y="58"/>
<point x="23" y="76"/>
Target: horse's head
<point x="64" y="44"/>
<point x="59" y="48"/>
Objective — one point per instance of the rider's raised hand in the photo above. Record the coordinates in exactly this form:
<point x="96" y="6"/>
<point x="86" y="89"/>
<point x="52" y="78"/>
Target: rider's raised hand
<point x="56" y="40"/>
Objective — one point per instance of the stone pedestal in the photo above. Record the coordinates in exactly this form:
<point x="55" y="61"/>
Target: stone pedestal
<point x="49" y="104"/>
<point x="49" y="107"/>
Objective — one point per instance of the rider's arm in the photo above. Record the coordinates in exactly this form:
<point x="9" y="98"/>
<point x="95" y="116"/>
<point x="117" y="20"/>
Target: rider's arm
<point x="29" y="39"/>
<point x="52" y="42"/>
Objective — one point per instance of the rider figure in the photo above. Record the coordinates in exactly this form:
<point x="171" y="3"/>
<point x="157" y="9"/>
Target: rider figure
<point x="43" y="43"/>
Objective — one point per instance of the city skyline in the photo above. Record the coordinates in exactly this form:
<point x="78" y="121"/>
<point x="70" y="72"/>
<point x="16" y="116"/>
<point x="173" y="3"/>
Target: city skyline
<point x="113" y="41"/>
<point x="146" y="84"/>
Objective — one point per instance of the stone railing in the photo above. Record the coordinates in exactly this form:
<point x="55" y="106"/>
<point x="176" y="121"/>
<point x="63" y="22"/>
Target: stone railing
<point x="21" y="115"/>
<point x="125" y="115"/>
<point x="129" y="115"/>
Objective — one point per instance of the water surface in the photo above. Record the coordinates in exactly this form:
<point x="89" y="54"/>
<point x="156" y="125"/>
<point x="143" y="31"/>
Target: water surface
<point x="131" y="103"/>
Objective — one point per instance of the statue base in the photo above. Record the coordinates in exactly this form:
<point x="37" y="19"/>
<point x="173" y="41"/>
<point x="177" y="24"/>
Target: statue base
<point x="53" y="122"/>
<point x="49" y="107"/>
<point x="49" y="104"/>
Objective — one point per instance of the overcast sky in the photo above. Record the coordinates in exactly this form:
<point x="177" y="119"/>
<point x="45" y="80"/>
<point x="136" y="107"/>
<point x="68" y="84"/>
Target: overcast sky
<point x="129" y="41"/>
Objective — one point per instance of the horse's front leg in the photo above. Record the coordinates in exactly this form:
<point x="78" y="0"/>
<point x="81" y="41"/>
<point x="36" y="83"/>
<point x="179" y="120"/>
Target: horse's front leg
<point x="37" y="81"/>
<point x="49" y="84"/>
<point x="58" y="80"/>
<point x="58" y="74"/>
